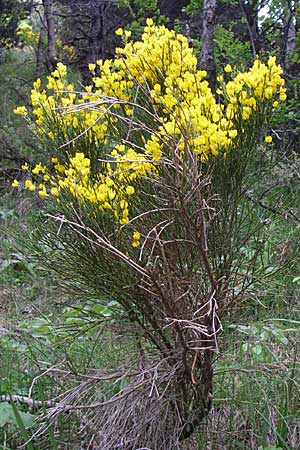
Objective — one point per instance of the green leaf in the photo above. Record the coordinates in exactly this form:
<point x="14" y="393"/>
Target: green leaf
<point x="8" y="417"/>
<point x="269" y="447"/>
<point x="23" y="422"/>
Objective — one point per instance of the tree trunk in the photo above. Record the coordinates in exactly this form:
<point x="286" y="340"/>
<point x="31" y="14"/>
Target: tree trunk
<point x="206" y="60"/>
<point x="97" y="31"/>
<point x="51" y="51"/>
<point x="289" y="42"/>
<point x="93" y="34"/>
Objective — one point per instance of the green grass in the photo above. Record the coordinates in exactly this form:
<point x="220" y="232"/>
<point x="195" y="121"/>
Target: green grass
<point x="37" y="332"/>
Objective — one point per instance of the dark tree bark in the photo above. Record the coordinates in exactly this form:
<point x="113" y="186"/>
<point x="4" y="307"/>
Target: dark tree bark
<point x="289" y="41"/>
<point x="96" y="36"/>
<point x="49" y="17"/>
<point x="206" y="60"/>
<point x="250" y="11"/>
<point x="172" y="10"/>
<point x="89" y="26"/>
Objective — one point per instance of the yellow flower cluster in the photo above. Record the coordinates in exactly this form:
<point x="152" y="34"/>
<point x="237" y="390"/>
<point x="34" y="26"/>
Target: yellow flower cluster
<point x="160" y="71"/>
<point x="160" y="54"/>
<point x="248" y="91"/>
<point x="21" y="111"/>
<point x="26" y="33"/>
<point x="109" y="190"/>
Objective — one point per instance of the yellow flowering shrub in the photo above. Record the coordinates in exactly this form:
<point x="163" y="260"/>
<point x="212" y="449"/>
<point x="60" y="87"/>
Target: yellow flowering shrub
<point x="148" y="188"/>
<point x="154" y="87"/>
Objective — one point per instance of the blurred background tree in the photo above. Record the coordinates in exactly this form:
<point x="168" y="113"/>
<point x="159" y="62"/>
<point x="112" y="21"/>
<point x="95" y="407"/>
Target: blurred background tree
<point x="11" y="12"/>
<point x="34" y="36"/>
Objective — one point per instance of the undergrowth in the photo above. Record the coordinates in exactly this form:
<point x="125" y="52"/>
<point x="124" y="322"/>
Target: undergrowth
<point x="48" y="347"/>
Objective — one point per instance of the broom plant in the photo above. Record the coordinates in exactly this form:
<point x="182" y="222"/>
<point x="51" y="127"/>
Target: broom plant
<point x="146" y="199"/>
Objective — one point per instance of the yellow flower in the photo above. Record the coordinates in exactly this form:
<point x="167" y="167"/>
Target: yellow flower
<point x="15" y="183"/>
<point x="61" y="69"/>
<point x="21" y="111"/>
<point x="119" y="32"/>
<point x="25" y="166"/>
<point x="54" y="191"/>
<point x="29" y="185"/>
<point x="272" y="61"/>
<point x="268" y="92"/>
<point x="130" y="190"/>
<point x="268" y="139"/>
<point x="232" y="133"/>
<point x="42" y="192"/>
<point x="39" y="168"/>
<point x="228" y="68"/>
<point x="136" y="239"/>
<point x="37" y="84"/>
<point x="246" y="112"/>
<point x="282" y="95"/>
